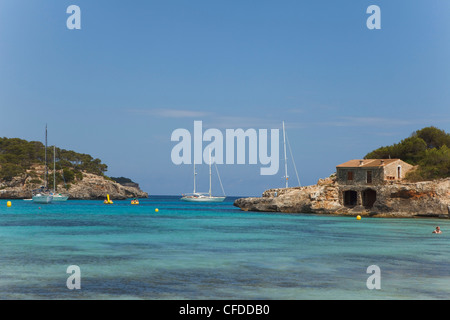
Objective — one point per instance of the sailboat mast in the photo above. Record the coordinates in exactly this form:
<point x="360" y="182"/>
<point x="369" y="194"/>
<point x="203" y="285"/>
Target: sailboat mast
<point x="285" y="157"/>
<point x="195" y="173"/>
<point x="210" y="173"/>
<point x="54" y="169"/>
<point x="46" y="168"/>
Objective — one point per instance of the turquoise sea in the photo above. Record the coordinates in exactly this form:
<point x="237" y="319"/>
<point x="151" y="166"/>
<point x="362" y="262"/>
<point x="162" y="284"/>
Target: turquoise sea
<point x="214" y="251"/>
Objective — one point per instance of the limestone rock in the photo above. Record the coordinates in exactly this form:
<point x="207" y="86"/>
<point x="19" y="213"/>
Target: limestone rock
<point x="97" y="187"/>
<point x="392" y="199"/>
<point x="89" y="188"/>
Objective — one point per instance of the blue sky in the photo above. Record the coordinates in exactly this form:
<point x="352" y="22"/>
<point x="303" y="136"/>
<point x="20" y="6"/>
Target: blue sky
<point x="138" y="70"/>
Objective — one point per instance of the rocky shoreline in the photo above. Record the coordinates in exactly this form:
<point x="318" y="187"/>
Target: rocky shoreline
<point x="393" y="199"/>
<point x="91" y="187"/>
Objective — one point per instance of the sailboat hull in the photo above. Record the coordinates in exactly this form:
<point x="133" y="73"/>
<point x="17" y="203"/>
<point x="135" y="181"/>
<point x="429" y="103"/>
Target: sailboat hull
<point x="42" y="198"/>
<point x="203" y="199"/>
<point x="59" y="198"/>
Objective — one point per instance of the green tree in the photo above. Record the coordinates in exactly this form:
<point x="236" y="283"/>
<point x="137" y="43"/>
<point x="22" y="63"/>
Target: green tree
<point x="69" y="175"/>
<point x="433" y="137"/>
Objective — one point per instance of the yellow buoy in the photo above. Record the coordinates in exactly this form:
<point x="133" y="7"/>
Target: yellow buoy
<point x="107" y="201"/>
<point x="358" y="217"/>
<point x="156" y="210"/>
<point x="9" y="204"/>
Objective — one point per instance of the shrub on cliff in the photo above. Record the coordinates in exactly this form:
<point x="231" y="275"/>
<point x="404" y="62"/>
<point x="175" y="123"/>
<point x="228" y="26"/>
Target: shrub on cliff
<point x="9" y="170"/>
<point x="122" y="180"/>
<point x="435" y="164"/>
<point x="429" y="148"/>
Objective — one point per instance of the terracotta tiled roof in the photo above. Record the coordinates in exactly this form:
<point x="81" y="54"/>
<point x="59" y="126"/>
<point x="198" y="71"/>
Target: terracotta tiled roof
<point x="366" y="163"/>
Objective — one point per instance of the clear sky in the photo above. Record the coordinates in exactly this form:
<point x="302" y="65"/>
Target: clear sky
<point x="138" y="70"/>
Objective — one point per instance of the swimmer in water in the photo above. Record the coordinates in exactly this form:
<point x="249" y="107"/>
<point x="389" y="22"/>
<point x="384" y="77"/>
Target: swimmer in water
<point x="438" y="230"/>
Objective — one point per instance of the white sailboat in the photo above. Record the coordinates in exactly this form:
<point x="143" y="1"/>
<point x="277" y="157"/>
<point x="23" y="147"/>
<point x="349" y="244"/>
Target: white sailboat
<point x="204" y="197"/>
<point x="42" y="195"/>
<point x="57" y="197"/>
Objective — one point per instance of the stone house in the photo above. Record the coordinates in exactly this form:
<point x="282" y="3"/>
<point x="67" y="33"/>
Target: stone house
<point x="358" y="179"/>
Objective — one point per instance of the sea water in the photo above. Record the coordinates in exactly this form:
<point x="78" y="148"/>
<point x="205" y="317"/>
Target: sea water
<point x="214" y="251"/>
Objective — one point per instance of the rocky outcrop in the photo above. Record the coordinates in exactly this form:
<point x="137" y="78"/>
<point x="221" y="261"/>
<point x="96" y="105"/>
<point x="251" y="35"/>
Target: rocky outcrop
<point x="97" y="187"/>
<point x="392" y="199"/>
<point x="89" y="188"/>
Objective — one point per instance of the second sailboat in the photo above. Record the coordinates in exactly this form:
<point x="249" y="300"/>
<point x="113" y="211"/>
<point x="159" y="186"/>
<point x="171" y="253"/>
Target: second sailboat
<point x="204" y="197"/>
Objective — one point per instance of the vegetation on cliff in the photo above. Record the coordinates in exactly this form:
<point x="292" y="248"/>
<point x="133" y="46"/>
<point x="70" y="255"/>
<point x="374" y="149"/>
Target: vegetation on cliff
<point x="19" y="156"/>
<point x="122" y="180"/>
<point x="428" y="148"/>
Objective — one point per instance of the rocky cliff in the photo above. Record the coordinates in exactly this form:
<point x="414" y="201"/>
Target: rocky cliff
<point x="392" y="199"/>
<point x="90" y="187"/>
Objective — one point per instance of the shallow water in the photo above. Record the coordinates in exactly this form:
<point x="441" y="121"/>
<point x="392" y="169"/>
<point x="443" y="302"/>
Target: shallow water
<point x="215" y="251"/>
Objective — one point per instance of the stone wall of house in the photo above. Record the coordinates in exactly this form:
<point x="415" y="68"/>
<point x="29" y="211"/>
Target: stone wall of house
<point x="391" y="170"/>
<point x="380" y="174"/>
<point x="359" y="175"/>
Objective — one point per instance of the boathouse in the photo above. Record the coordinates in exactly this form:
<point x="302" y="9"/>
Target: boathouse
<point x="358" y="179"/>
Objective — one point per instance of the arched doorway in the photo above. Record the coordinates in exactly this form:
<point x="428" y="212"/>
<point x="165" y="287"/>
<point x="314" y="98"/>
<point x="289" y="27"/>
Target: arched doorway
<point x="350" y="198"/>
<point x="369" y="197"/>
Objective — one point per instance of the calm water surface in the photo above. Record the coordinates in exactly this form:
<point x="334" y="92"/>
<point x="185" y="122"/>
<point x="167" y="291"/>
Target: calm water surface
<point x="214" y="251"/>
